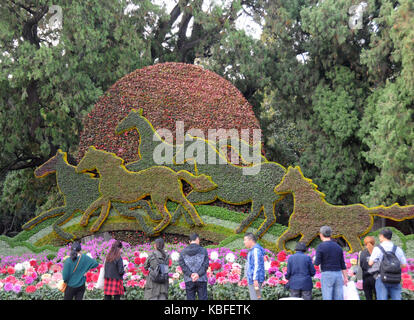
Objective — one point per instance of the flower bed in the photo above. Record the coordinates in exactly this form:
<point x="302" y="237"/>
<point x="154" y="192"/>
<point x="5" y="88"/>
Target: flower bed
<point x="36" y="277"/>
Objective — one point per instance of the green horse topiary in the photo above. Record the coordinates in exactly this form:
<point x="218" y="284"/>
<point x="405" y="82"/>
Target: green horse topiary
<point x="79" y="191"/>
<point x="234" y="185"/>
<point x="311" y="212"/>
<point x="117" y="184"/>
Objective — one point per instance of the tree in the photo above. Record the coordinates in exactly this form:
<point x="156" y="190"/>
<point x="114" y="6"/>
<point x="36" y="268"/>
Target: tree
<point x="319" y="83"/>
<point x="52" y="76"/>
<point x="388" y="123"/>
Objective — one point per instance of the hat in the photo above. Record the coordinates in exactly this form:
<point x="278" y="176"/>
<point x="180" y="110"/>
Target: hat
<point x="300" y="246"/>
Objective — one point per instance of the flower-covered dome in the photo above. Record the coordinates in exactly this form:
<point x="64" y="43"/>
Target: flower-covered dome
<point x="167" y="93"/>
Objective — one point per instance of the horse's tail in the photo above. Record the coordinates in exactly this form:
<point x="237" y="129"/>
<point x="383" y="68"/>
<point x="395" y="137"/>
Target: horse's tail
<point x="394" y="212"/>
<point x="199" y="183"/>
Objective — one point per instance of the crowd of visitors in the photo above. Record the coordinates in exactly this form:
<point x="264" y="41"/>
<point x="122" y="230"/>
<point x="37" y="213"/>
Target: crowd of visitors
<point x="378" y="266"/>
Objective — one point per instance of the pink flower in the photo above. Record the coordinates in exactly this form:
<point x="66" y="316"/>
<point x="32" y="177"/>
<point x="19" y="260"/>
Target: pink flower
<point x="39" y="285"/>
<point x="141" y="283"/>
<point x="8" y="286"/>
<point x="131" y="283"/>
<point x="222" y="280"/>
<point x="43" y="268"/>
<point x="242" y="283"/>
<point x="273" y="281"/>
<point x="359" y="285"/>
<point x="234" y="278"/>
<point x="136" y="253"/>
<point x="182" y="285"/>
<point x="90" y="286"/>
<point x="10" y="270"/>
<point x="11" y="279"/>
<point x="178" y="269"/>
<point x="17" y="288"/>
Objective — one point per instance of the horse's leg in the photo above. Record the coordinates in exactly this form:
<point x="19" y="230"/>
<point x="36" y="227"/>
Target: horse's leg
<point x="62" y="220"/>
<point x="290" y="233"/>
<point x="270" y="219"/>
<point x="194" y="197"/>
<point x="127" y="207"/>
<point x="354" y="242"/>
<point x="43" y="216"/>
<point x="308" y="236"/>
<point x="102" y="217"/>
<point x="95" y="205"/>
<point x="126" y="212"/>
<point x="160" y="204"/>
<point x="254" y="212"/>
<point x="188" y="206"/>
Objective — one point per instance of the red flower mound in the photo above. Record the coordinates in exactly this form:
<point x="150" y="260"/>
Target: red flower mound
<point x="167" y="92"/>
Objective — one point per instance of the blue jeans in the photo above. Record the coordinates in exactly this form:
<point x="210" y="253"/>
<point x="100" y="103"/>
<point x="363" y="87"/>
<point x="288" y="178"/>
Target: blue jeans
<point x="384" y="289"/>
<point x="332" y="285"/>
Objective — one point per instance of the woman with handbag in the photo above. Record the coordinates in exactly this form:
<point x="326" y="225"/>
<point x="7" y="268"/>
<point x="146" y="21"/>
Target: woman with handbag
<point x="73" y="273"/>
<point x="114" y="271"/>
<point x="154" y="289"/>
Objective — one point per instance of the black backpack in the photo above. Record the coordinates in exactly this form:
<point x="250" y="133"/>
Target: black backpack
<point x="160" y="273"/>
<point x="390" y="266"/>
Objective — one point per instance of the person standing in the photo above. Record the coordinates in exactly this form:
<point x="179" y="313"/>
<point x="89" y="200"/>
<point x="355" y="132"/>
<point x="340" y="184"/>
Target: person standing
<point x="368" y="281"/>
<point x="386" y="283"/>
<point x="73" y="273"/>
<point x="194" y="262"/>
<point x="156" y="290"/>
<point x="300" y="271"/>
<point x="254" y="268"/>
<point x="114" y="271"/>
<point x="329" y="256"/>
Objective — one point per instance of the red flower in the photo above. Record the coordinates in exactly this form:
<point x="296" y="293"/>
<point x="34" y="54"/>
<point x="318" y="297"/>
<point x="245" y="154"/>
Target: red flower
<point x="30" y="289"/>
<point x="243" y="254"/>
<point x="89" y="276"/>
<point x="317" y="268"/>
<point x="95" y="277"/>
<point x="33" y="263"/>
<point x="318" y="285"/>
<point x="137" y="260"/>
<point x="170" y="263"/>
<point x="215" y="266"/>
<point x="274" y="264"/>
<point x="281" y="256"/>
<point x="143" y="260"/>
<point x="10" y="270"/>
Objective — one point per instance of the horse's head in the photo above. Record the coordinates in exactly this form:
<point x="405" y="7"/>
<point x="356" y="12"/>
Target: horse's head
<point x="132" y="120"/>
<point x="95" y="159"/>
<point x="50" y="165"/>
<point x="292" y="181"/>
<point x="88" y="162"/>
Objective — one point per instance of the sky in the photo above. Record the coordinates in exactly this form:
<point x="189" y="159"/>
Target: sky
<point x="244" y="22"/>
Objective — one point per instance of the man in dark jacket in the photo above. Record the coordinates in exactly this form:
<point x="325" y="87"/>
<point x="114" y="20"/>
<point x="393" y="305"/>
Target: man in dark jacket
<point x="194" y="262"/>
<point x="300" y="271"/>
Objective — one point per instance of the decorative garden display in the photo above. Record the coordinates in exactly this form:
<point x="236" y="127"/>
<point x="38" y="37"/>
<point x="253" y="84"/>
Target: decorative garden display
<point x="140" y="181"/>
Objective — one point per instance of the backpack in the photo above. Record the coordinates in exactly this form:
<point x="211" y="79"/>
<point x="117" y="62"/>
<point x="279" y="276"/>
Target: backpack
<point x="390" y="266"/>
<point x="160" y="273"/>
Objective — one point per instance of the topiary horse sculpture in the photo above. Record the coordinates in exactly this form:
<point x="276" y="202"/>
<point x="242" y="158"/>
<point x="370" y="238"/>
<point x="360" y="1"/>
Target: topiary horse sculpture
<point x="311" y="212"/>
<point x="117" y="184"/>
<point x="79" y="191"/>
